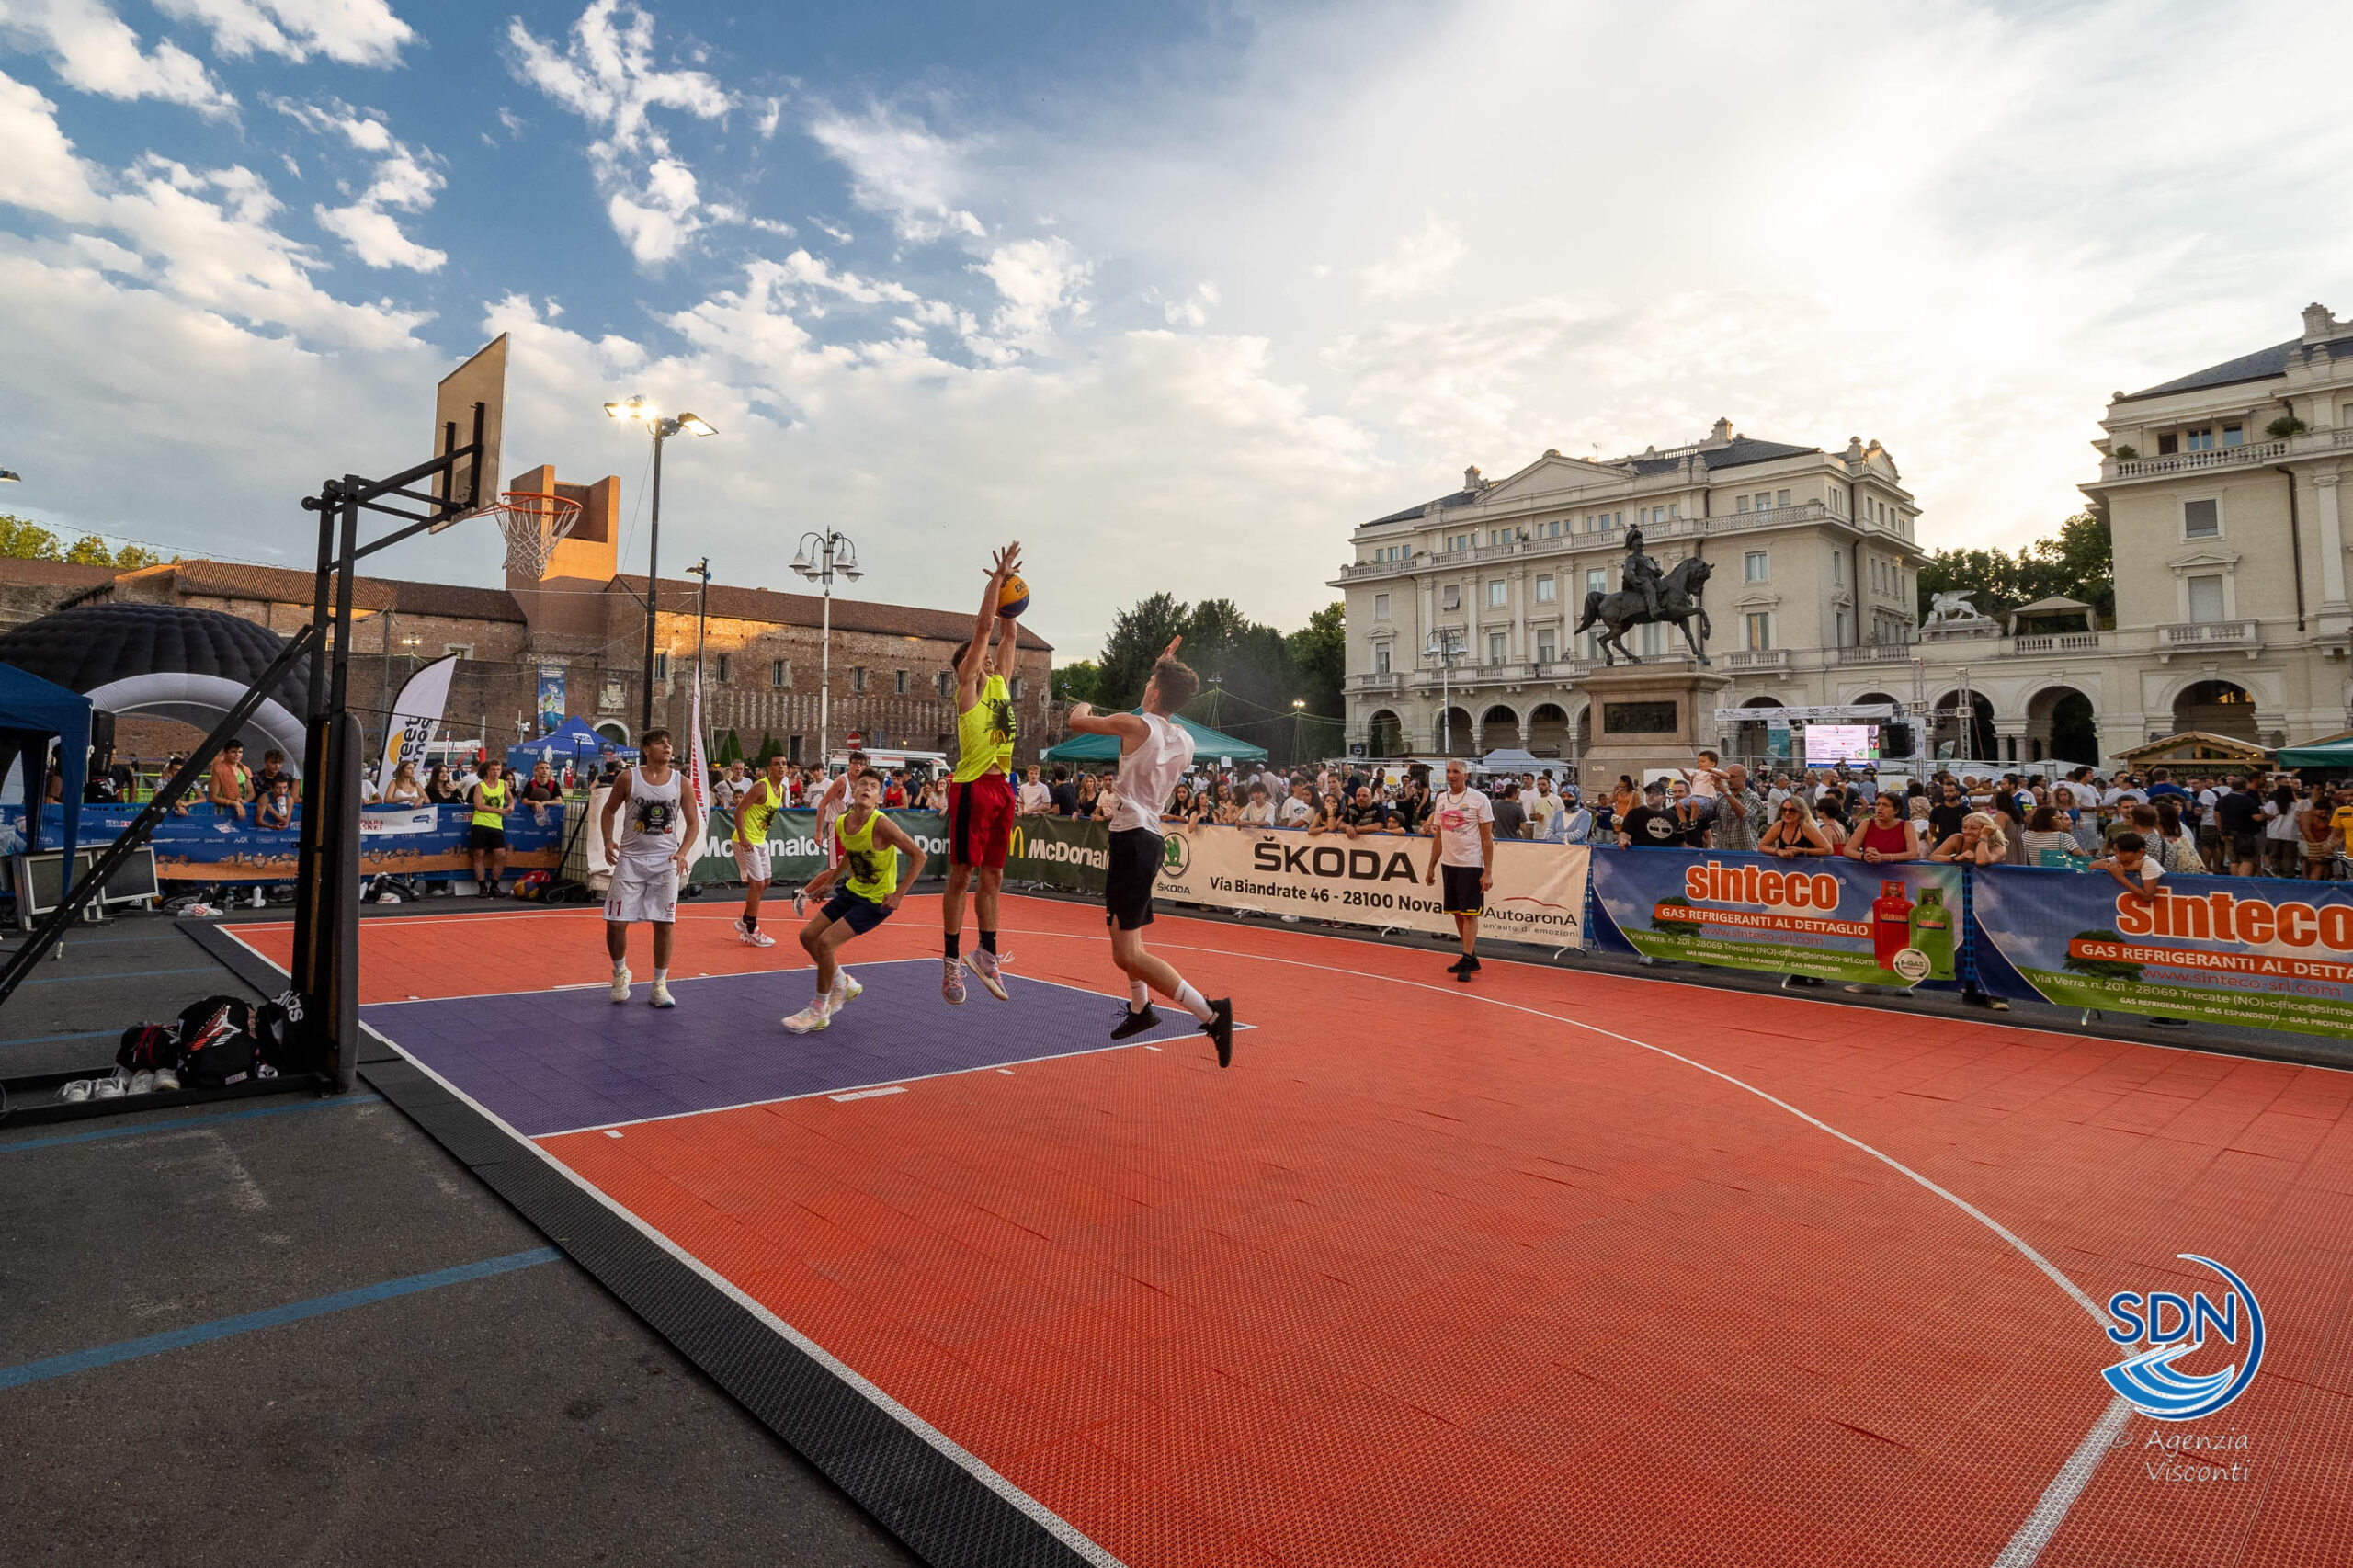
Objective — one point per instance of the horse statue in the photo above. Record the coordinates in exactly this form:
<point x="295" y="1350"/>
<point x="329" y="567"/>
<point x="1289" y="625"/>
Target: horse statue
<point x="1678" y="598"/>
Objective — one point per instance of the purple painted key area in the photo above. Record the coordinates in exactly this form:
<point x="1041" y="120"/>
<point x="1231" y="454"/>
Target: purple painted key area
<point x="553" y="1061"/>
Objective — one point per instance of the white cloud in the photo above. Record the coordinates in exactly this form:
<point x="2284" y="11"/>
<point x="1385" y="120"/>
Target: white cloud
<point x="1417" y="264"/>
<point x="404" y="179"/>
<point x="95" y="51"/>
<point x="351" y="32"/>
<point x="606" y="74"/>
<point x="901" y="170"/>
<point x="1037" y="281"/>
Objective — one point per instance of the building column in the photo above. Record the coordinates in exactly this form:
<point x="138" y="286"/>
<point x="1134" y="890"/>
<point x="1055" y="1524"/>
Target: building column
<point x="2335" y="614"/>
<point x="2116" y="734"/>
<point x="2009" y="739"/>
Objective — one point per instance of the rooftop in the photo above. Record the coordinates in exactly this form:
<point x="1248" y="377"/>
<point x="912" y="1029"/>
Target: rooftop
<point x="1723" y="449"/>
<point x="2321" y="331"/>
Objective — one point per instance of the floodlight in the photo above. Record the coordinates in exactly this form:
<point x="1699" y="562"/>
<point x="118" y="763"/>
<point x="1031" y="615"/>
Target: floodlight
<point x="695" y="424"/>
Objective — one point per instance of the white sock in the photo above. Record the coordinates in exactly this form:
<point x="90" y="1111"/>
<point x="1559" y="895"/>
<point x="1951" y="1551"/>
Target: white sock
<point x="660" y="976"/>
<point x="1193" y="1002"/>
<point x="841" y="984"/>
<point x="619" y="964"/>
<point x="1139" y="996"/>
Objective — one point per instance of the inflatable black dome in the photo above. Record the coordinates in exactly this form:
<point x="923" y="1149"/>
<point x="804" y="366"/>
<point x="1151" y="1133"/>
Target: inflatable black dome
<point x="169" y="660"/>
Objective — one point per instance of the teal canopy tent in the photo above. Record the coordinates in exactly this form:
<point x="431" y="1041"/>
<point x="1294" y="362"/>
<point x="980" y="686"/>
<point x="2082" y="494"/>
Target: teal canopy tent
<point x="2337" y="753"/>
<point x="1209" y="745"/>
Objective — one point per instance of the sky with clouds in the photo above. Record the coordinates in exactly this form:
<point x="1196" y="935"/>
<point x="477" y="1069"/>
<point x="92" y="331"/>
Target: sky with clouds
<point x="1176" y="295"/>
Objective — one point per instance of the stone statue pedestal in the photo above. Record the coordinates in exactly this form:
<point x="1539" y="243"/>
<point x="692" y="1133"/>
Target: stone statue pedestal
<point x="1648" y="716"/>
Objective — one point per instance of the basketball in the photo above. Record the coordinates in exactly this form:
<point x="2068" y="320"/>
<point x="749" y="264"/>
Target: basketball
<point x="1013" y="598"/>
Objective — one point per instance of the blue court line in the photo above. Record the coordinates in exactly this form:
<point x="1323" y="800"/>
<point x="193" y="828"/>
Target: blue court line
<point x="133" y="1132"/>
<point x="128" y="974"/>
<point x="221" y="1328"/>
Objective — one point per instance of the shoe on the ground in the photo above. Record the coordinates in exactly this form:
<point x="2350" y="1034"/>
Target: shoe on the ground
<point x="142" y="1082"/>
<point x="752" y="936"/>
<point x="1456" y="967"/>
<point x="1132" y="1023"/>
<point x="75" y="1092"/>
<point x="951" y="982"/>
<point x="845" y="990"/>
<point x="983" y="965"/>
<point x="108" y="1088"/>
<point x="620" y="984"/>
<point x="809" y="1019"/>
<point x="1219" y="1028"/>
<point x="660" y="995"/>
<point x="166" y="1081"/>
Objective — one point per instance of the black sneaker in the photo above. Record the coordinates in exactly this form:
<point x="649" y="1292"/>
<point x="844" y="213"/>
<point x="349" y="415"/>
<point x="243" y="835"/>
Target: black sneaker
<point x="1135" y="1023"/>
<point x="1219" y="1028"/>
<point x="1456" y="967"/>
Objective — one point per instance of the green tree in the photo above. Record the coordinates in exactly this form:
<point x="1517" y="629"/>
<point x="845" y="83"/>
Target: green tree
<point x="2078" y="562"/>
<point x="2099" y="968"/>
<point x="769" y="746"/>
<point x="130" y="558"/>
<point x="23" y="540"/>
<point x="1079" y="682"/>
<point x="89" y="550"/>
<point x="1318" y="653"/>
<point x="1137" y="637"/>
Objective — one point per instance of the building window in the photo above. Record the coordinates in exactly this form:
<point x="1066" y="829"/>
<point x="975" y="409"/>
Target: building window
<point x="1740" y="504"/>
<point x="1013" y="688"/>
<point x="1548" y="645"/>
<point x="1546" y="590"/>
<point x="1781" y="498"/>
<point x="780" y="674"/>
<point x="2202" y="520"/>
<point x="1450" y="597"/>
<point x="1596" y="579"/>
<point x="946" y="683"/>
<point x="2206" y="598"/>
<point x="857" y="677"/>
<point x="898" y="683"/>
<point x="1837" y="566"/>
<point x="2200" y="440"/>
<point x="723" y="668"/>
<point x="1380" y="607"/>
<point x="1497" y="594"/>
<point x="1381" y="657"/>
<point x="1760" y="629"/>
<point x="1499" y="644"/>
<point x="1753" y="567"/>
<point x="662" y="665"/>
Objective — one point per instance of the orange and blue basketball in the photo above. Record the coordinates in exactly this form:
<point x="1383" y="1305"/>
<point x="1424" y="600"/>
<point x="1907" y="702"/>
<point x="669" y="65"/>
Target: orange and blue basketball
<point x="1012" y="598"/>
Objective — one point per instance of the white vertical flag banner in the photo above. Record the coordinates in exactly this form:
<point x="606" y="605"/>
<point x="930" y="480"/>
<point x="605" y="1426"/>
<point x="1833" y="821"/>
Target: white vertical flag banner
<point x="416" y="714"/>
<point x="697" y="773"/>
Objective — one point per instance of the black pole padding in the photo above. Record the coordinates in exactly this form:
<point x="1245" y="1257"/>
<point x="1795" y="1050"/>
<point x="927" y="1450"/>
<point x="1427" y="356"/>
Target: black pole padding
<point x="346" y="756"/>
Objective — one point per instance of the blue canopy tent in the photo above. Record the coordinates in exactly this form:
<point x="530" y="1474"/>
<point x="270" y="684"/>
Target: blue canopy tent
<point x="33" y="712"/>
<point x="572" y="742"/>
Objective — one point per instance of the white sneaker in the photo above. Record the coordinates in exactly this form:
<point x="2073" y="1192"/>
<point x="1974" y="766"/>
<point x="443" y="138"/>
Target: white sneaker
<point x="752" y="936"/>
<point x="143" y="1083"/>
<point x="75" y="1092"/>
<point x="166" y="1080"/>
<point x="620" y="984"/>
<point x="809" y="1019"/>
<point x="108" y="1088"/>
<point x="845" y="990"/>
<point x="660" y="995"/>
<point x="951" y="982"/>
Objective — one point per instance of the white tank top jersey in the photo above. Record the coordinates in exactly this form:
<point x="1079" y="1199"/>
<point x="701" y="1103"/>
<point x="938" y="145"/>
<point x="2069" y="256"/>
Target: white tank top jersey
<point x="653" y="819"/>
<point x="1148" y="774"/>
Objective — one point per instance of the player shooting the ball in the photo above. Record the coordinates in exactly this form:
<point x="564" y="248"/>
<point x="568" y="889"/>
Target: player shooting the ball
<point x="868" y="871"/>
<point x="980" y="799"/>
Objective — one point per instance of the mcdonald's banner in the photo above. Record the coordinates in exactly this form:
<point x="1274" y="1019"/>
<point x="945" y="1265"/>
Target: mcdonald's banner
<point x="2252" y="953"/>
<point x="794" y="853"/>
<point x="1895" y="924"/>
<point x="1070" y="854"/>
<point x="1538" y="895"/>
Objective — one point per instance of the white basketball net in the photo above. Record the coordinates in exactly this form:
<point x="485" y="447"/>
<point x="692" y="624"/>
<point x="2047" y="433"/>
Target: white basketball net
<point x="532" y="522"/>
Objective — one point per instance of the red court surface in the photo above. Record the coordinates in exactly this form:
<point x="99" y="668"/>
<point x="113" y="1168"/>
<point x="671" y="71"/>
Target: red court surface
<point x="1443" y="1274"/>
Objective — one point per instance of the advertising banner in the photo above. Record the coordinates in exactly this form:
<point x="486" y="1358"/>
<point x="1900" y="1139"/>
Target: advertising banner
<point x="794" y="853"/>
<point x="2256" y="954"/>
<point x="416" y="713"/>
<point x="1537" y="896"/>
<point x="429" y="841"/>
<point x="551" y="709"/>
<point x="1895" y="924"/>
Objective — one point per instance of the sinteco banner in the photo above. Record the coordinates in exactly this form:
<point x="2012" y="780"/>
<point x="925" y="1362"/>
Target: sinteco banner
<point x="1537" y="896"/>
<point x="416" y="713"/>
<point x="2255" y="954"/>
<point x="1831" y="919"/>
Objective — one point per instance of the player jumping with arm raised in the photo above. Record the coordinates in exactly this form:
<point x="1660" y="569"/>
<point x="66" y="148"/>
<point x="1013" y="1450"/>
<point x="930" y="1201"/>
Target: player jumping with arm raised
<point x="1154" y="751"/>
<point x="980" y="801"/>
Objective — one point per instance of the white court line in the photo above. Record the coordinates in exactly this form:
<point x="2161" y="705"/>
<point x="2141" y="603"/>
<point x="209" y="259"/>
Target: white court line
<point x="2050" y="1510"/>
<point x="856" y="1095"/>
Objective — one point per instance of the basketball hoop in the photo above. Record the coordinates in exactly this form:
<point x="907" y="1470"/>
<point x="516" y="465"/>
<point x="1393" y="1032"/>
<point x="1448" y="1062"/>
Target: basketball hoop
<point x="532" y="522"/>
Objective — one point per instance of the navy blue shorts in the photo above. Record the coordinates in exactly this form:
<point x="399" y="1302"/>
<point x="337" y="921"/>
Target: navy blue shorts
<point x="860" y="915"/>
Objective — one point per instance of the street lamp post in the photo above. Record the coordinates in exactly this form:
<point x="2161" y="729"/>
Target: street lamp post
<point x="820" y="557"/>
<point x="1445" y="647"/>
<point x="662" y="427"/>
<point x="1298" y="716"/>
<point x="701" y="569"/>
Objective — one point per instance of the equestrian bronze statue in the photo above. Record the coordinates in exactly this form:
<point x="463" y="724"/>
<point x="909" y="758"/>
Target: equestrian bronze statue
<point x="1650" y="596"/>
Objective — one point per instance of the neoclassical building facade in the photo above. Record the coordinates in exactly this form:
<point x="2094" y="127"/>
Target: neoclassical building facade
<point x="2231" y="613"/>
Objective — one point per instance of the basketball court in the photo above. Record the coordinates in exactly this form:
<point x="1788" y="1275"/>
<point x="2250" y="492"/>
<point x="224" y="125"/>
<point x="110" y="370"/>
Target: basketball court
<point x="1556" y="1267"/>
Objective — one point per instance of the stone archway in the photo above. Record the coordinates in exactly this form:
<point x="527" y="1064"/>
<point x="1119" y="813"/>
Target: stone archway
<point x="1947" y="730"/>
<point x="1498" y="729"/>
<point x="1453" y="733"/>
<point x="2219" y="708"/>
<point x="1897" y="737"/>
<point x="1384" y="734"/>
<point x="2059" y="726"/>
<point x="1548" y="730"/>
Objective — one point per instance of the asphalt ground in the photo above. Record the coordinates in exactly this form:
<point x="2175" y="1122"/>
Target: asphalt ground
<point x="515" y="1415"/>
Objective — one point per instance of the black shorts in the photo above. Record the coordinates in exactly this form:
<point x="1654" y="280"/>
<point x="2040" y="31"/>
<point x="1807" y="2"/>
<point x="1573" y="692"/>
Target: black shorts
<point x="1460" y="885"/>
<point x="860" y="915"/>
<point x="2246" y="846"/>
<point x="478" y="837"/>
<point x="1136" y="856"/>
